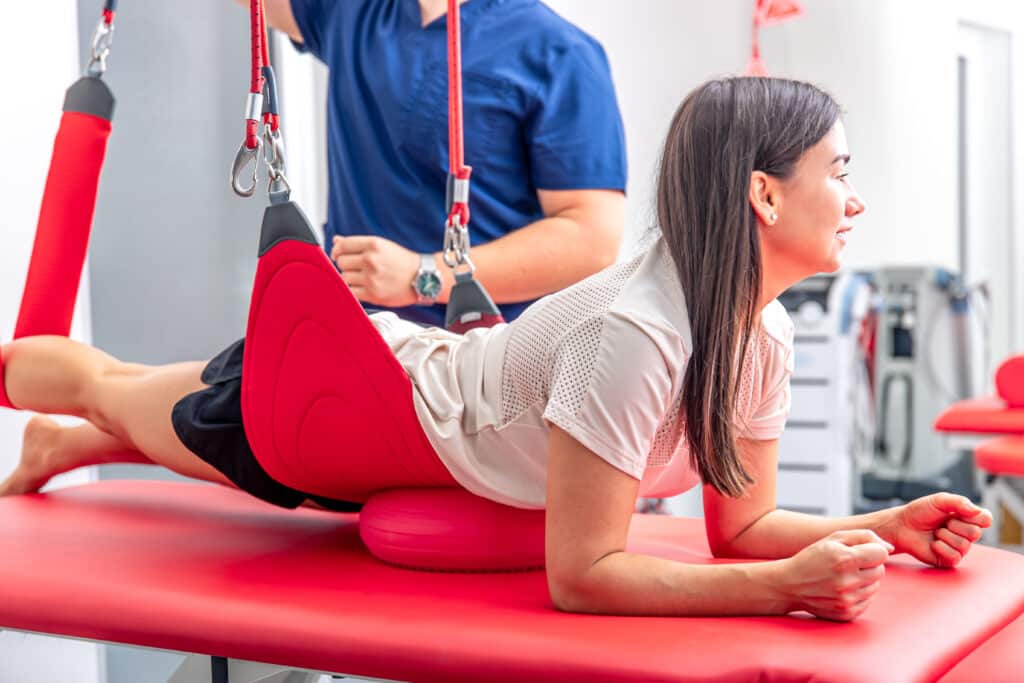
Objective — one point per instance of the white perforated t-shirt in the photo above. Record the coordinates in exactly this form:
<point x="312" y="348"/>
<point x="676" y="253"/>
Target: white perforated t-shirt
<point x="603" y="360"/>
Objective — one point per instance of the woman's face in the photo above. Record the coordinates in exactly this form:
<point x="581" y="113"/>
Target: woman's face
<point x="814" y="208"/>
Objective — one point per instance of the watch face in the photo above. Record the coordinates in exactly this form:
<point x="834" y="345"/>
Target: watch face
<point x="428" y="284"/>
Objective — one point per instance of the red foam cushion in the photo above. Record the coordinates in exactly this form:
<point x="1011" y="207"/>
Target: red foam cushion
<point x="981" y="416"/>
<point x="1000" y="658"/>
<point x="1010" y="381"/>
<point x="1002" y="455"/>
<point x="200" y="568"/>
<point x="451" y="530"/>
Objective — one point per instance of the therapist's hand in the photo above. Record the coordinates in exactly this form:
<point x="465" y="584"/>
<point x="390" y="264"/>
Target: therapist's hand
<point x="377" y="270"/>
<point x="938" y="529"/>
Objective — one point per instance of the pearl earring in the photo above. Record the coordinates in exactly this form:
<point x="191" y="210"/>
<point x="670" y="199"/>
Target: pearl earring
<point x="774" y="217"/>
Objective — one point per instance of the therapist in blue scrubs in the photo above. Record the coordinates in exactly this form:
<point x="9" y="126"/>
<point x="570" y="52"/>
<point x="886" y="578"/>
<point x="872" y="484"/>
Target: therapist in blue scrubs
<point x="543" y="134"/>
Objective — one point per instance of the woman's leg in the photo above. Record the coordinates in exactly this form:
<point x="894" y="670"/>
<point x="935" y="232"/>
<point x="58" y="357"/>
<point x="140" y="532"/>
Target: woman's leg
<point x="130" y="402"/>
<point x="48" y="449"/>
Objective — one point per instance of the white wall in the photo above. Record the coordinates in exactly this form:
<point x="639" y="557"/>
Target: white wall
<point x="1008" y="16"/>
<point x="28" y="131"/>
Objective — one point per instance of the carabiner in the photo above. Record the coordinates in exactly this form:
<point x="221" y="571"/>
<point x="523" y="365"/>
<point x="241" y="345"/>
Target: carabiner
<point x="243" y="158"/>
<point x="456" y="245"/>
<point x="273" y="154"/>
<point x="102" y="39"/>
<point x="273" y="150"/>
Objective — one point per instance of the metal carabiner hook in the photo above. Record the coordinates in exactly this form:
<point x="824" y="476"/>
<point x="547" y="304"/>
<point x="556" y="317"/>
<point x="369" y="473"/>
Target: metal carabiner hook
<point x="243" y="158"/>
<point x="273" y="150"/>
<point x="102" y="39"/>
<point x="456" y="246"/>
<point x="273" y="154"/>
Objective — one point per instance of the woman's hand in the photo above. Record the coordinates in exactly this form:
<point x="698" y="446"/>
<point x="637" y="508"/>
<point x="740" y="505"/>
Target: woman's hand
<point x="836" y="577"/>
<point x="938" y="529"/>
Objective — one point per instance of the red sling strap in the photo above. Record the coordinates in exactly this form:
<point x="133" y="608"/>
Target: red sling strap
<point x="69" y="200"/>
<point x="469" y="304"/>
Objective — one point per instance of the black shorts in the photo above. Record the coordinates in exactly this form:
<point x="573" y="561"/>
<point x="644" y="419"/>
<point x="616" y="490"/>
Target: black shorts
<point x="209" y="423"/>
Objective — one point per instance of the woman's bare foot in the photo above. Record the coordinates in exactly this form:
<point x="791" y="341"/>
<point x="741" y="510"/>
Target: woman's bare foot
<point x="39" y="447"/>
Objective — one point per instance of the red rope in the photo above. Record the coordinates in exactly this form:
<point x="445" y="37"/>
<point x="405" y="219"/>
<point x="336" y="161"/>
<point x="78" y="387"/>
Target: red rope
<point x="456" y="152"/>
<point x="271" y="119"/>
<point x="257" y="33"/>
<point x="256" y="41"/>
<point x="265" y="46"/>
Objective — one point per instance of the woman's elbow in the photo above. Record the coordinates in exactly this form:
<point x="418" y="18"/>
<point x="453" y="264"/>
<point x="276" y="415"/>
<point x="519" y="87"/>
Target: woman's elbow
<point x="570" y="593"/>
<point x="725" y="549"/>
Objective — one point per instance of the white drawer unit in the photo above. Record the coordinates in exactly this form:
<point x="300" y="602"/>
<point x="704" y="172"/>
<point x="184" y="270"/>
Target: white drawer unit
<point x="817" y="451"/>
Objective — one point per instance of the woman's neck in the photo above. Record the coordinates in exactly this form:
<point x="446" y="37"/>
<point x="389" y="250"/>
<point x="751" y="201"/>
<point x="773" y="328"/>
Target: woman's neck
<point x="432" y="9"/>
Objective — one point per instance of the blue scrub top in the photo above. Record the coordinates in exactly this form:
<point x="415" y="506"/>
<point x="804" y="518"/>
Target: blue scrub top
<point x="539" y="113"/>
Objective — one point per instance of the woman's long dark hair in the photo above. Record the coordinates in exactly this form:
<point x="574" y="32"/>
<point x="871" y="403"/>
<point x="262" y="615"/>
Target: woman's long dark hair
<point x="723" y="132"/>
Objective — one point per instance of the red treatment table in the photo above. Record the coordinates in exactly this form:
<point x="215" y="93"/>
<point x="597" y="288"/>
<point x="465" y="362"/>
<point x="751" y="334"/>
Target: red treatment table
<point x="202" y="569"/>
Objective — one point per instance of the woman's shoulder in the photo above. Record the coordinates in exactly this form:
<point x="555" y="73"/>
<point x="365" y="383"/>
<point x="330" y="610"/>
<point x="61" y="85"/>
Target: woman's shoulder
<point x="777" y="324"/>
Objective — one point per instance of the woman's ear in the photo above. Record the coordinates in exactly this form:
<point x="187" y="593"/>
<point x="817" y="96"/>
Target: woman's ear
<point x="763" y="197"/>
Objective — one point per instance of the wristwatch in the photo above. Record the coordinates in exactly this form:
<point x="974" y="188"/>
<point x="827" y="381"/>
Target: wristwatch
<point x="427" y="282"/>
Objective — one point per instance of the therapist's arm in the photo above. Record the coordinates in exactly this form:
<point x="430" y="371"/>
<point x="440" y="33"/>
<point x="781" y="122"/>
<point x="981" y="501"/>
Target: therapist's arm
<point x="579" y="235"/>
<point x="279" y="15"/>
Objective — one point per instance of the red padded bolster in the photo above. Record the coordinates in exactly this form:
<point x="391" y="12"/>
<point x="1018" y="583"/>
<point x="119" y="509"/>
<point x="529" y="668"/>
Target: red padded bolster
<point x="1000" y="658"/>
<point x="451" y="530"/>
<point x="1010" y="381"/>
<point x="199" y="568"/>
<point x="1002" y="455"/>
<point x="981" y="416"/>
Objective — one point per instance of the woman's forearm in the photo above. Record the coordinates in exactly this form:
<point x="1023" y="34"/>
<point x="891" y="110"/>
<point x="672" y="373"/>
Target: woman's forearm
<point x="781" y="533"/>
<point x="631" y="584"/>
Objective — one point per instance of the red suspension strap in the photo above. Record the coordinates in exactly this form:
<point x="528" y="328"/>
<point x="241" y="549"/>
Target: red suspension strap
<point x="458" y="172"/>
<point x="469" y="304"/>
<point x="69" y="200"/>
